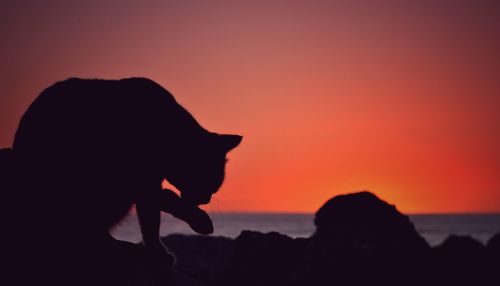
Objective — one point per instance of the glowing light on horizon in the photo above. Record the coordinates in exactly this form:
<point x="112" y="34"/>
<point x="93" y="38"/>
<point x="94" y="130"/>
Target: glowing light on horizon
<point x="399" y="98"/>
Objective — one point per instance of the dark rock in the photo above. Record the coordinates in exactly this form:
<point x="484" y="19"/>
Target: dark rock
<point x="361" y="239"/>
<point x="364" y="222"/>
<point x="493" y="249"/>
<point x="205" y="258"/>
<point x="494" y="245"/>
<point x="265" y="259"/>
<point x="461" y="259"/>
<point x="458" y="245"/>
<point x="127" y="264"/>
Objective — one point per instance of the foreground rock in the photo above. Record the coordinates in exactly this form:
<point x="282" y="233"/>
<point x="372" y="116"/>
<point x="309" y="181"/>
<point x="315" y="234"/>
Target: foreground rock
<point x="359" y="240"/>
<point x="265" y="259"/>
<point x="204" y="258"/>
<point x="358" y="237"/>
<point x="363" y="222"/>
<point x="273" y="259"/>
<point x="494" y="244"/>
<point x="461" y="246"/>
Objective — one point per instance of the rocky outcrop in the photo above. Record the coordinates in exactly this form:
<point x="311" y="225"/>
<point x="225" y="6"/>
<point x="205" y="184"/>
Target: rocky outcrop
<point x="360" y="240"/>
<point x="265" y="259"/>
<point x="494" y="244"/>
<point x="363" y="222"/>
<point x="461" y="246"/>
<point x="205" y="258"/>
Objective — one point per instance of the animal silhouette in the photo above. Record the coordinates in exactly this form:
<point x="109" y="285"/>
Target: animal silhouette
<point x="87" y="150"/>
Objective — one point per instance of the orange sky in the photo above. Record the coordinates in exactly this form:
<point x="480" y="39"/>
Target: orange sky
<point x="398" y="97"/>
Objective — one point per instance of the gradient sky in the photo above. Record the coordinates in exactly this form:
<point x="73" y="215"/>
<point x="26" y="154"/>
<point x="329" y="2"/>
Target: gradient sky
<point x="398" y="97"/>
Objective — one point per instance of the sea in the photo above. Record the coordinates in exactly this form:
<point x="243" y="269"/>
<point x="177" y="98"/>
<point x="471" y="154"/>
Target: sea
<point x="435" y="228"/>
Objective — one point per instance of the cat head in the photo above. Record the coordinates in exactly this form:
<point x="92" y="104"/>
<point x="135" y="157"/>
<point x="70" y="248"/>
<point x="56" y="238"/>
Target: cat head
<point x="198" y="171"/>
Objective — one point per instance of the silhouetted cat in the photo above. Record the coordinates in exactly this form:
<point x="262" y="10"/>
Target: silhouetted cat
<point x="86" y="151"/>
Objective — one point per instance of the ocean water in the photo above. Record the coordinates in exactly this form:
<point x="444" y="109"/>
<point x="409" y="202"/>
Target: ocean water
<point x="434" y="228"/>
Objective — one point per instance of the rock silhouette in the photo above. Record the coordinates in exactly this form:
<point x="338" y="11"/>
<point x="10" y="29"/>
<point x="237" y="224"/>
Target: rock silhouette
<point x="84" y="153"/>
<point x="494" y="244"/>
<point x="355" y="258"/>
<point x="205" y="258"/>
<point x="277" y="258"/>
<point x="493" y="249"/>
<point x="362" y="237"/>
<point x="255" y="258"/>
<point x="362" y="220"/>
<point x="460" y="246"/>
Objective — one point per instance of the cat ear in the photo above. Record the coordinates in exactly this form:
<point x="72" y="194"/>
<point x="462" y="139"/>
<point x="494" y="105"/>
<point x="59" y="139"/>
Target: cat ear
<point x="229" y="142"/>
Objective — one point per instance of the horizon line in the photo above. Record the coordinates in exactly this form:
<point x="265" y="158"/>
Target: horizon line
<point x="312" y="213"/>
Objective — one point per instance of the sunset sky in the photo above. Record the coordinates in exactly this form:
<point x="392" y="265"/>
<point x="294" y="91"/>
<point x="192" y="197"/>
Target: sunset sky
<point x="401" y="98"/>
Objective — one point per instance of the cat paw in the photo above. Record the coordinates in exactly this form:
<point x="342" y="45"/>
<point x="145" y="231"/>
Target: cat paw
<point x="197" y="218"/>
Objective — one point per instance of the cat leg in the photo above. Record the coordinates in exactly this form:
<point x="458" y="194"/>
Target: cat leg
<point x="148" y="212"/>
<point x="197" y="218"/>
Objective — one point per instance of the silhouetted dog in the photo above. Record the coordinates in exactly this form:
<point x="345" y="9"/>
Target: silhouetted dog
<point x="85" y="152"/>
